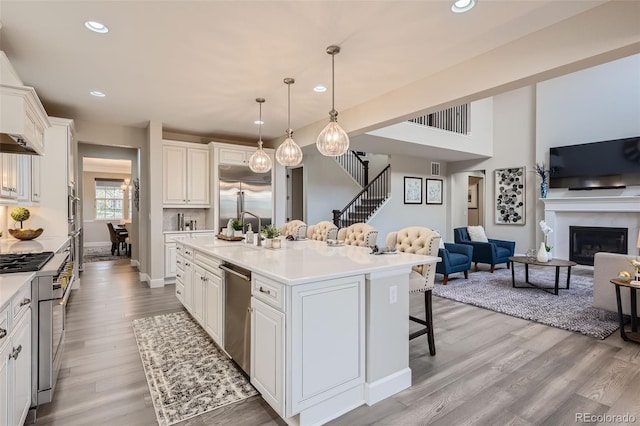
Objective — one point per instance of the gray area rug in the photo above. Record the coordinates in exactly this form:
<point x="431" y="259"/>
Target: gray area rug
<point x="187" y="373"/>
<point x="102" y="254"/>
<point x="570" y="310"/>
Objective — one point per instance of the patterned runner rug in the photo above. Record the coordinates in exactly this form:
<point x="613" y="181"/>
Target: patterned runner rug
<point x="187" y="373"/>
<point x="570" y="310"/>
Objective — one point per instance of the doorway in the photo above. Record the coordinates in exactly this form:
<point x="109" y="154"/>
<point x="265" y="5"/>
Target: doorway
<point x="475" y="201"/>
<point x="295" y="194"/>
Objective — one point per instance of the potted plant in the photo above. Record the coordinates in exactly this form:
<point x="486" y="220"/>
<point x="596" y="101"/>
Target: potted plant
<point x="271" y="233"/>
<point x="20" y="214"/>
<point x="237" y="228"/>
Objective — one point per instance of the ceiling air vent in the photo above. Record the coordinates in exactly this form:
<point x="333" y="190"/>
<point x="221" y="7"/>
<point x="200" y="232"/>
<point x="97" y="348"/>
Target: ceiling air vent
<point x="435" y="169"/>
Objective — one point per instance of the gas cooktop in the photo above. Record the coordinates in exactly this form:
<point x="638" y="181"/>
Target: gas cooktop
<point x="23" y="262"/>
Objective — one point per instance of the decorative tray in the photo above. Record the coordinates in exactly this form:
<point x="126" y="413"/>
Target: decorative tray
<point x="224" y="237"/>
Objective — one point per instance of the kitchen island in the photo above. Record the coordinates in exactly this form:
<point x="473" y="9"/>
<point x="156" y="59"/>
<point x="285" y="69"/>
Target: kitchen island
<point x="329" y="324"/>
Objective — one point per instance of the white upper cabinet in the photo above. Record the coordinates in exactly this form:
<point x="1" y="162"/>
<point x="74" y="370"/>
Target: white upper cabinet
<point x="185" y="175"/>
<point x="9" y="181"/>
<point x="235" y="155"/>
<point x="23" y="117"/>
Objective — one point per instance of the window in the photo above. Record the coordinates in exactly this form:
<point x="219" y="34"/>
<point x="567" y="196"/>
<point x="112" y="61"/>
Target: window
<point x="110" y="199"/>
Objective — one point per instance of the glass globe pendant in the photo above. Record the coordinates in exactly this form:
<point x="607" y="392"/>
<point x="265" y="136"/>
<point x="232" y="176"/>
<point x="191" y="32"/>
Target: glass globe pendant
<point x="260" y="161"/>
<point x="333" y="141"/>
<point x="289" y="153"/>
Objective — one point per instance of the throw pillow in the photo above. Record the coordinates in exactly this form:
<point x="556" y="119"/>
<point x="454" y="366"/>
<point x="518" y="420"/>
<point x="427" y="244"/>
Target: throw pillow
<point x="441" y="246"/>
<point x="476" y="233"/>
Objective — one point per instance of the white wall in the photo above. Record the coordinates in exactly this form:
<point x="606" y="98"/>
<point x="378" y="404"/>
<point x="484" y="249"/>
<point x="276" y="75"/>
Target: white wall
<point x="596" y="104"/>
<point x="513" y="135"/>
<point x="395" y="214"/>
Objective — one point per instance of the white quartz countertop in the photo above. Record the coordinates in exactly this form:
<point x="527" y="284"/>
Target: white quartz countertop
<point x="40" y="244"/>
<point x="10" y="284"/>
<point x="188" y="232"/>
<point x="299" y="262"/>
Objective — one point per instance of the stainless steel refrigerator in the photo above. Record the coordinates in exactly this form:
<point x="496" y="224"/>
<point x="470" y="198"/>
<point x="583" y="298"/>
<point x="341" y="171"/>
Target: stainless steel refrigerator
<point x="241" y="189"/>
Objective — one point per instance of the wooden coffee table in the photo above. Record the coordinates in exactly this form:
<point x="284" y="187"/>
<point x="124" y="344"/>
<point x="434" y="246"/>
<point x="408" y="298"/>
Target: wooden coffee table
<point x="558" y="263"/>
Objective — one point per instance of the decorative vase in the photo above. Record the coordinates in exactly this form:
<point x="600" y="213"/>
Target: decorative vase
<point x="542" y="254"/>
<point x="544" y="186"/>
<point x="267" y="242"/>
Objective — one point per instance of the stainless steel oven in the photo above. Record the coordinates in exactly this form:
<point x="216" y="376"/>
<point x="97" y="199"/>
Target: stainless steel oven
<point x="72" y="207"/>
<point x="50" y="292"/>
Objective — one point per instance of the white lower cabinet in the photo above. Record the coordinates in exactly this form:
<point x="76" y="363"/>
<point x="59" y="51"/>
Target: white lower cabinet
<point x="187" y="281"/>
<point x="169" y="259"/>
<point x="267" y="360"/>
<point x="198" y="294"/>
<point x="214" y="303"/>
<point x="15" y="370"/>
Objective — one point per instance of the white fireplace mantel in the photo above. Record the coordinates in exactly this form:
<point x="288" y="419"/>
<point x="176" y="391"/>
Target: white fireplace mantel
<point x="593" y="204"/>
<point x="561" y="213"/>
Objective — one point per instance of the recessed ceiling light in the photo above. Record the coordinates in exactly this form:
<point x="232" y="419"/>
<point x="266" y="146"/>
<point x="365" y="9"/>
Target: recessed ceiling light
<point x="96" y="27"/>
<point x="461" y="6"/>
<point x="258" y="122"/>
<point x="97" y="94"/>
<point x="319" y="88"/>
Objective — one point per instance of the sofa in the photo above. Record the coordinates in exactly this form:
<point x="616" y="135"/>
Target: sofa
<point x="605" y="267"/>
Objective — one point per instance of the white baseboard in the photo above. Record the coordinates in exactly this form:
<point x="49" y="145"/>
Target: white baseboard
<point x="135" y="263"/>
<point x="156" y="283"/>
<point x="387" y="386"/>
<point x="98" y="244"/>
<point x="144" y="277"/>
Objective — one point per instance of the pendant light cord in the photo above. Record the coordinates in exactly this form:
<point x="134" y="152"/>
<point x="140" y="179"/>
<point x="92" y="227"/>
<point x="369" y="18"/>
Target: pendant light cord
<point x="260" y="127"/>
<point x="333" y="83"/>
<point x="288" y="107"/>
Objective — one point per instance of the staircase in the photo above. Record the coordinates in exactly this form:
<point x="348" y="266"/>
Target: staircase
<point x="357" y="167"/>
<point x="366" y="203"/>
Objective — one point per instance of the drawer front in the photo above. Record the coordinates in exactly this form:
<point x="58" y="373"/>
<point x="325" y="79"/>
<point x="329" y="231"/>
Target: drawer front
<point x="268" y="291"/>
<point x="4" y="325"/>
<point x="209" y="263"/>
<point x="180" y="261"/>
<point x="179" y="276"/>
<point x="180" y="292"/>
<point x="21" y="302"/>
<point x="203" y="234"/>
<point x="184" y="251"/>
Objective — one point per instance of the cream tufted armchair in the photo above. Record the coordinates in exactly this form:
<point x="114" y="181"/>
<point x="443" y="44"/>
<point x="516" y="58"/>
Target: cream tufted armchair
<point x="419" y="240"/>
<point x="359" y="234"/>
<point x="323" y="231"/>
<point x="297" y="228"/>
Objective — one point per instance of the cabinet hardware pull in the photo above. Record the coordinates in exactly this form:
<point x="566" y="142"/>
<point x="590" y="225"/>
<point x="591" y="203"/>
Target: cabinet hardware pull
<point x="187" y="264"/>
<point x="16" y="352"/>
<point x="178" y="291"/>
<point x="262" y="290"/>
<point x="3" y="333"/>
<point x="25" y="301"/>
<point x="178" y="275"/>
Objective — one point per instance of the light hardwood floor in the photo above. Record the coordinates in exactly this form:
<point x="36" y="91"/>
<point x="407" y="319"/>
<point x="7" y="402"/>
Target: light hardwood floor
<point x="490" y="368"/>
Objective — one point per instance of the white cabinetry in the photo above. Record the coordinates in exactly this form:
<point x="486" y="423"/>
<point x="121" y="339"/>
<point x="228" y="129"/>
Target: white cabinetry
<point x="185" y="175"/>
<point x="9" y="181"/>
<point x="203" y="289"/>
<point x="15" y="360"/>
<point x="267" y="360"/>
<point x="234" y="155"/>
<point x="28" y="178"/>
<point x="170" y="255"/>
<point x="35" y="178"/>
<point x="23" y="117"/>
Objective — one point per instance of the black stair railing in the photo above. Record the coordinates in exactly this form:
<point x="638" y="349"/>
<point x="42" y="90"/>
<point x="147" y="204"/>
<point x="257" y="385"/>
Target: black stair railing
<point x="366" y="202"/>
<point x="455" y="119"/>
<point x="358" y="168"/>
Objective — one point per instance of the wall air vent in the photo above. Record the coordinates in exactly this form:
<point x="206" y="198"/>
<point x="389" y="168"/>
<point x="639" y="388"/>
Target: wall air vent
<point x="435" y="169"/>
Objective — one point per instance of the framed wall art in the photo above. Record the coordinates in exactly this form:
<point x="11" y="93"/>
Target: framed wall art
<point x="412" y="190"/>
<point x="510" y="196"/>
<point x="434" y="191"/>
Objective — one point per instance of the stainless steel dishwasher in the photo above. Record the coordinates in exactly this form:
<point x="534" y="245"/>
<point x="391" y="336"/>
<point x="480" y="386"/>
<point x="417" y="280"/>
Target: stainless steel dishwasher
<point x="237" y="320"/>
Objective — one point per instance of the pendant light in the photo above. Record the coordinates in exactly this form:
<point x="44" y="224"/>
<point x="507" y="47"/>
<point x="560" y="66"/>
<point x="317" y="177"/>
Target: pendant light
<point x="289" y="153"/>
<point x="333" y="141"/>
<point x="260" y="161"/>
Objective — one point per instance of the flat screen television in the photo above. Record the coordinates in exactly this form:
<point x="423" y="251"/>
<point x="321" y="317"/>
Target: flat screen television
<point x="596" y="165"/>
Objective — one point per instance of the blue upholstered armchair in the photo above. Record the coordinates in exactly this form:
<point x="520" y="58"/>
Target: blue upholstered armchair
<point x="492" y="252"/>
<point x="455" y="258"/>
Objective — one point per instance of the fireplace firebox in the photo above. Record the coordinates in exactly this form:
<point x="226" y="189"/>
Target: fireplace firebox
<point x="586" y="241"/>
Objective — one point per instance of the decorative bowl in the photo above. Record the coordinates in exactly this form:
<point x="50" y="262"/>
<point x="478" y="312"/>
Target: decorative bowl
<point x="26" y="233"/>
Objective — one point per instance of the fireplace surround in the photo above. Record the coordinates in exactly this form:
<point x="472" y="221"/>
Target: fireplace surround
<point x="615" y="212"/>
